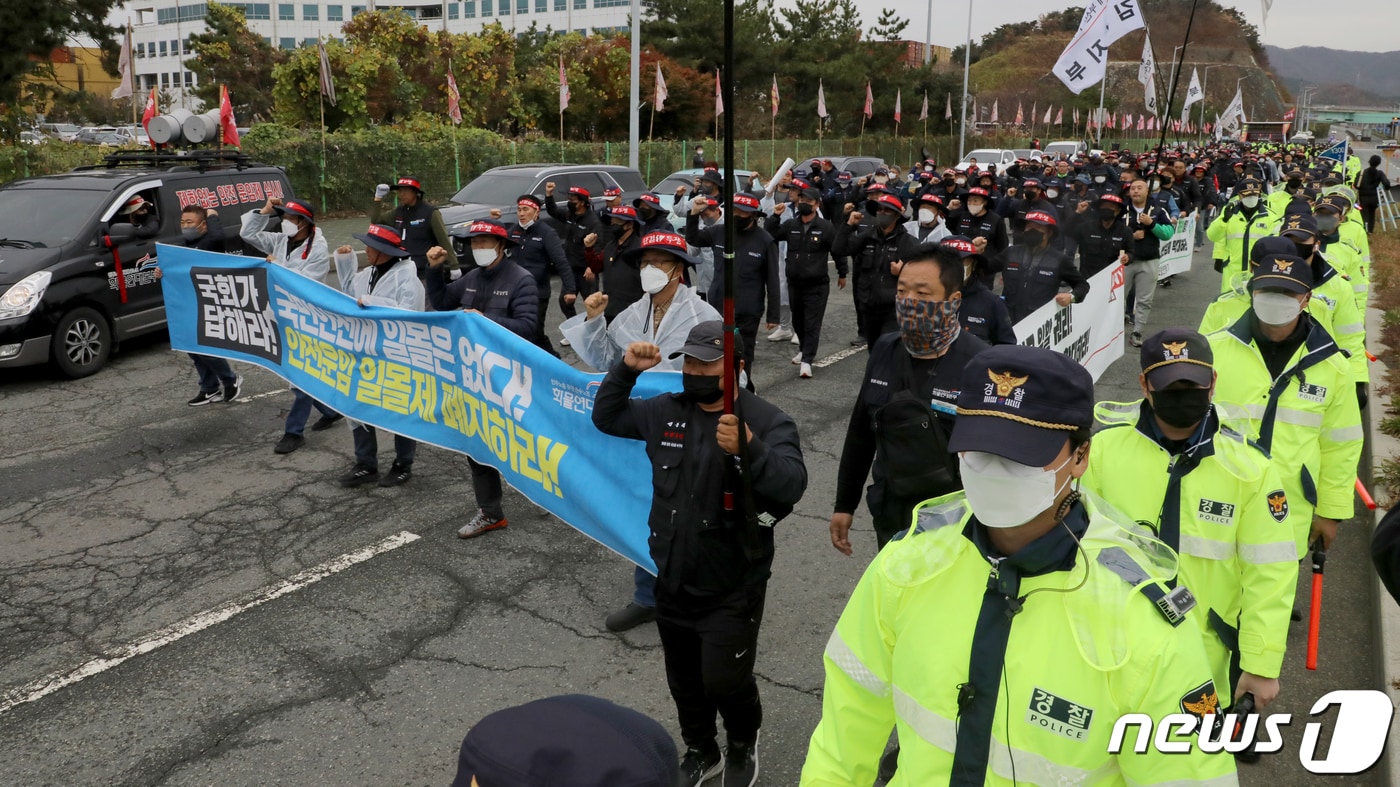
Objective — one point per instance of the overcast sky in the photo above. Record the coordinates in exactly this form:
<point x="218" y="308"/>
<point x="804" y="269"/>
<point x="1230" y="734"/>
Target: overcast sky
<point x="1363" y="25"/>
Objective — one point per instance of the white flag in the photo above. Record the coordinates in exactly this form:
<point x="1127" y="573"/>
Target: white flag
<point x="563" y="87"/>
<point x="994" y="109"/>
<point x="1194" y="92"/>
<point x="821" y="101"/>
<point x="1047" y="113"/>
<point x="125" y="86"/>
<point x="1148" y="66"/>
<point x="1267" y="5"/>
<point x="719" y="99"/>
<point x="1234" y="113"/>
<point x="1084" y="61"/>
<point x="1149" y="95"/>
<point x="923" y="113"/>
<point x="948" y="111"/>
<point x="661" y="94"/>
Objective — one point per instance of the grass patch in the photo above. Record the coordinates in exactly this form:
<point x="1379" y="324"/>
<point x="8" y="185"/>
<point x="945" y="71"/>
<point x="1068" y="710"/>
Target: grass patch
<point x="1391" y="426"/>
<point x="1386" y="476"/>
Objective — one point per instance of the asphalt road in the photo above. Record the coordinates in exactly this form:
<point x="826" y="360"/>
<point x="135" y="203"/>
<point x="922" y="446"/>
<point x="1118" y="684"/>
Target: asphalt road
<point x="124" y="512"/>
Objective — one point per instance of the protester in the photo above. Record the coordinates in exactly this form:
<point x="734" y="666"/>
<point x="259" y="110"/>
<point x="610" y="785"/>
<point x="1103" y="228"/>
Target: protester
<point x="1368" y="199"/>
<point x="877" y="251"/>
<point x="1150" y="226"/>
<point x="137" y="212"/>
<point x="808" y="239"/>
<point x="417" y="222"/>
<point x="712" y="564"/>
<point x="390" y="281"/>
<point x="1101" y="237"/>
<point x="1035" y="270"/>
<point x="538" y="250"/>
<point x="982" y="312"/>
<point x="504" y="293"/>
<point x="300" y="247"/>
<point x="201" y="229"/>
<point x="582" y="229"/>
<point x="622" y="280"/>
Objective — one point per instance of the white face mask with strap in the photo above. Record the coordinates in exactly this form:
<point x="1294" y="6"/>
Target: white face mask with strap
<point x="1004" y="493"/>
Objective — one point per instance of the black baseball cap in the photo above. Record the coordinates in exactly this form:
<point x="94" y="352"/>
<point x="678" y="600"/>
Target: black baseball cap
<point x="1177" y="354"/>
<point x="1022" y="403"/>
<point x="705" y="343"/>
<point x="572" y="740"/>
<point x="1287" y="272"/>
<point x="1301" y="225"/>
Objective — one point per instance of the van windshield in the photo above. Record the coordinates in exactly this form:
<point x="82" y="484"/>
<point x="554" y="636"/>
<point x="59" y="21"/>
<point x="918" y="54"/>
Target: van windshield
<point x="32" y="217"/>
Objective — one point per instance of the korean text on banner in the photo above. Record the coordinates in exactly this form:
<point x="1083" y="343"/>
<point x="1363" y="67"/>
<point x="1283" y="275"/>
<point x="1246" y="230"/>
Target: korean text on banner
<point x="1085" y="61"/>
<point x="1176" y="250"/>
<point x="1090" y="332"/>
<point x="450" y="379"/>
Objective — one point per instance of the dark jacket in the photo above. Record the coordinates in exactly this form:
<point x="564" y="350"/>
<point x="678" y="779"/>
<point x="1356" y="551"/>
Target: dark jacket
<point x="421" y="228"/>
<point x="1371" y="178"/>
<point x="859" y="457"/>
<point x="576" y="228"/>
<point x="699" y="549"/>
<point x="1150" y="247"/>
<point x="537" y="250"/>
<point x="505" y="294"/>
<point x="755" y="267"/>
<point x="622" y="281"/>
<point x="872" y="254"/>
<point x="808" y="247"/>
<point x="1032" y="278"/>
<point x="984" y="314"/>
<point x="989" y="225"/>
<point x="1099" y="247"/>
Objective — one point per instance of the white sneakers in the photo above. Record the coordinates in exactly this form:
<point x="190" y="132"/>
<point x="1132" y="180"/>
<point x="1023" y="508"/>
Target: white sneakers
<point x="780" y="334"/>
<point x="796" y="359"/>
<point x="805" y="372"/>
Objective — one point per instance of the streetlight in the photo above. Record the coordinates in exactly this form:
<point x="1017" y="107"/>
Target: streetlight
<point x="1171" y="82"/>
<point x="1204" y="85"/>
<point x="967" y="66"/>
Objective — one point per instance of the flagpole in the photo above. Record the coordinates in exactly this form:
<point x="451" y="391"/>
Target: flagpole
<point x="322" y="102"/>
<point x="1171" y="90"/>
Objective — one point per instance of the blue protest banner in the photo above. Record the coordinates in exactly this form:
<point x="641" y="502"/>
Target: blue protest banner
<point x="450" y="379"/>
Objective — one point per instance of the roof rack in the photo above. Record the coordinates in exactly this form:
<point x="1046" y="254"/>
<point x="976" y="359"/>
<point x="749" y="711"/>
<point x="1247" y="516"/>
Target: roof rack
<point x="201" y="160"/>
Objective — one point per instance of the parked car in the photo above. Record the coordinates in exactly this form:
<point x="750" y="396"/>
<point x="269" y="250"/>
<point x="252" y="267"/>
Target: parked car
<point x="59" y="295"/>
<point x="30" y="138"/>
<point x="111" y="139"/>
<point x="858" y="166"/>
<point x="497" y="188"/>
<point x="88" y="134"/>
<point x="985" y="156"/>
<point x="64" y="132"/>
<point x="1388" y="144"/>
<point x="1066" y="149"/>
<point x="666" y="188"/>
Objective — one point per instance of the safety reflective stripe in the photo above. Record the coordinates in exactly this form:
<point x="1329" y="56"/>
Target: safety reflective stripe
<point x="1351" y="327"/>
<point x="1345" y="434"/>
<point x="1277" y="552"/>
<point x="941" y="732"/>
<point x="1208" y="548"/>
<point x="849" y="663"/>
<point x="1299" y="418"/>
<point x="1228" y="780"/>
<point x="1256" y="411"/>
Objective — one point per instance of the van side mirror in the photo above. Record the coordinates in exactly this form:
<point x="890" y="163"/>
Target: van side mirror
<point x="121" y="231"/>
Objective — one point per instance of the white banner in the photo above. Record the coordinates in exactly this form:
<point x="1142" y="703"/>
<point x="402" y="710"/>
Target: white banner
<point x="1090" y="332"/>
<point x="1177" y="250"/>
<point x="1084" y="61"/>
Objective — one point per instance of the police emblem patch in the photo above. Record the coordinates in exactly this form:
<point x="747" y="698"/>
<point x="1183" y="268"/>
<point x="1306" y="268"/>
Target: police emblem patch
<point x="1278" y="505"/>
<point x="1201" y="702"/>
<point x="1174" y="350"/>
<point x="1059" y="716"/>
<point x="1006" y="382"/>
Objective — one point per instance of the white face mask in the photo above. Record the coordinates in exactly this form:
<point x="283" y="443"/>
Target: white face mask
<point x="1004" y="493"/>
<point x="1099" y="178"/>
<point x="525" y="225"/>
<point x="1251" y="202"/>
<point x="484" y="257"/>
<point x="1052" y="193"/>
<point x="290" y="228"/>
<point x="654" y="280"/>
<point x="1276" y="308"/>
<point x="960" y="181"/>
<point x="927" y="216"/>
<point x="976" y="208"/>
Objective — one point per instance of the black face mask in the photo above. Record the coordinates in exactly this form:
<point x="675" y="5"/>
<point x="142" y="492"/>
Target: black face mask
<point x="1304" y="250"/>
<point x="1033" y="238"/>
<point x="885" y="220"/>
<point x="1181" y="408"/>
<point x="646" y="212"/>
<point x="748" y="224"/>
<point x="1295" y="184"/>
<point x="1108" y="214"/>
<point x="701" y="388"/>
<point x="803" y="209"/>
<point x="617" y="230"/>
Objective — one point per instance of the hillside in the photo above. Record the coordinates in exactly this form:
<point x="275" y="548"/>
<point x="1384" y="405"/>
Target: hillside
<point x="1014" y="64"/>
<point x="1376" y="73"/>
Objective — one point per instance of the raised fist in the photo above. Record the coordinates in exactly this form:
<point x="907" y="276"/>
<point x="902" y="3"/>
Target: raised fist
<point x="595" y="304"/>
<point x="549" y="189"/>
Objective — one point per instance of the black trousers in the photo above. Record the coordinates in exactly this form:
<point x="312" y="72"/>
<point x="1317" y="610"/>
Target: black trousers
<point x="541" y="339"/>
<point x="879" y="319"/>
<point x="807" y="299"/>
<point x="710" y="645"/>
<point x="856" y="276"/>
<point x="486" y="484"/>
<point x="1368" y="217"/>
<point x="748" y="329"/>
<point x="585" y="289"/>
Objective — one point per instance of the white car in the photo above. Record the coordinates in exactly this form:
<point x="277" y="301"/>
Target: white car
<point x="985" y="156"/>
<point x="1066" y="150"/>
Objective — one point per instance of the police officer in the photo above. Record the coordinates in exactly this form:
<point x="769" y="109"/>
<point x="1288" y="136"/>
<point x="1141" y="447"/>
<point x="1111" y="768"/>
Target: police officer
<point x="418" y="223"/>
<point x="300" y="247"/>
<point x="1101" y="237"/>
<point x="1293" y="387"/>
<point x="538" y="250"/>
<point x="809" y="239"/>
<point x="503" y="292"/>
<point x="755" y="269"/>
<point x="582" y="231"/>
<point x="982" y="312"/>
<point x="1000" y="680"/>
<point x="903" y="415"/>
<point x="1214" y="498"/>
<point x="1036" y="269"/>
<point x="1330" y="215"/>
<point x="391" y="281"/>
<point x="1244" y="219"/>
<point x="712" y="565"/>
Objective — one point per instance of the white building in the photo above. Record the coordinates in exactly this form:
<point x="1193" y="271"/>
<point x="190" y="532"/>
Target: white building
<point x="160" y="29"/>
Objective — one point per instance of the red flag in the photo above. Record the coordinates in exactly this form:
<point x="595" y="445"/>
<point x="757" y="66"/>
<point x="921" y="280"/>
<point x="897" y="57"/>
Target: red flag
<point x="228" y="128"/>
<point x="1142" y="123"/>
<point x="563" y="87"/>
<point x="1060" y="116"/>
<point x="150" y="112"/>
<point x="1020" y="116"/>
<point x="454" y="99"/>
<point x="1290" y="114"/>
<point x="896" y="105"/>
<point x="869" y="102"/>
<point x="773" y="95"/>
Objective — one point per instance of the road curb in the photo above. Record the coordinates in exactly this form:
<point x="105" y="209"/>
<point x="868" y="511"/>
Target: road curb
<point x="1383" y="446"/>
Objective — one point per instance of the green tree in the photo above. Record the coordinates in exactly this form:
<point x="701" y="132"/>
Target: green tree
<point x="31" y="29"/>
<point x="230" y="54"/>
<point x="889" y="27"/>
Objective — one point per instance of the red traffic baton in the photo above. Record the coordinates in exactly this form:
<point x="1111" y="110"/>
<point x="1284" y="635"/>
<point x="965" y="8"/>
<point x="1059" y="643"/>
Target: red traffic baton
<point x="1371" y="357"/>
<point x="1366" y="498"/>
<point x="1319" y="562"/>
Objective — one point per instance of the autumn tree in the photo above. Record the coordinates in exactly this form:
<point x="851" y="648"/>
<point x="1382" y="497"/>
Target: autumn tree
<point x="228" y="53"/>
<point x="31" y="29"/>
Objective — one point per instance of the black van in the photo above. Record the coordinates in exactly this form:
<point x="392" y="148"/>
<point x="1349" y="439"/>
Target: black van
<point x="73" y="283"/>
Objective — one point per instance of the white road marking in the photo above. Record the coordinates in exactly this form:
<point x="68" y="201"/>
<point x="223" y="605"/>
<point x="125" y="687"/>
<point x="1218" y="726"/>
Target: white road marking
<point x="53" y="682"/>
<point x="261" y="395"/>
<point x="841" y="356"/>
